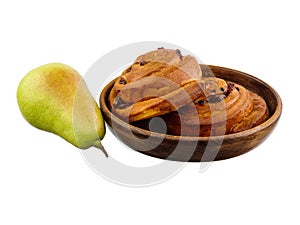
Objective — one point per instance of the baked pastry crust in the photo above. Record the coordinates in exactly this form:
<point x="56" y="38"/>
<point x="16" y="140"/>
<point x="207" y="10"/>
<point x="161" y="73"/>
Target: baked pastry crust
<point x="156" y="83"/>
<point x="165" y="84"/>
<point x="237" y="110"/>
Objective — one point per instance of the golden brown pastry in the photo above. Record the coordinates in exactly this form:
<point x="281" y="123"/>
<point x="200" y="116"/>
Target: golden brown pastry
<point x="235" y="110"/>
<point x="258" y="115"/>
<point x="158" y="82"/>
<point x="166" y="84"/>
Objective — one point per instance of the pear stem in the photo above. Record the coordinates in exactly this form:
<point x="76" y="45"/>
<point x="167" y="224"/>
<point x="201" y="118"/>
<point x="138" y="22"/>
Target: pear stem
<point x="98" y="144"/>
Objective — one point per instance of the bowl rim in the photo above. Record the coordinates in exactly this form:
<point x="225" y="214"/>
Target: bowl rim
<point x="275" y="116"/>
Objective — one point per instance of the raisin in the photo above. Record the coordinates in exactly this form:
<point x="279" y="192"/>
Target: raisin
<point x="122" y="81"/>
<point x="128" y="69"/>
<point x="201" y="102"/>
<point x="230" y="86"/>
<point x="143" y="62"/>
<point x="178" y="52"/>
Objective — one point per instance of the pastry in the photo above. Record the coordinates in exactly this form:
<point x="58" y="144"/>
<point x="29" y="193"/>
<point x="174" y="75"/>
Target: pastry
<point x="191" y="101"/>
<point x="158" y="82"/>
<point x="235" y="110"/>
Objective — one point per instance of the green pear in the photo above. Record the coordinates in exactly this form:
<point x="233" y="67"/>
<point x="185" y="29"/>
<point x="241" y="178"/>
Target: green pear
<point x="55" y="98"/>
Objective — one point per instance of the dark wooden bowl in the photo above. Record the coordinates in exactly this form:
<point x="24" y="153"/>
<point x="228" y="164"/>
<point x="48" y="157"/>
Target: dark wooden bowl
<point x="196" y="149"/>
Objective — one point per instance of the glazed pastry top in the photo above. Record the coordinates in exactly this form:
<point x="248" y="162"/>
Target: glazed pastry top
<point x="167" y="84"/>
<point x="156" y="83"/>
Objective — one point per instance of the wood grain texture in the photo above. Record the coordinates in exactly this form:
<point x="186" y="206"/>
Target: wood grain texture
<point x="196" y="149"/>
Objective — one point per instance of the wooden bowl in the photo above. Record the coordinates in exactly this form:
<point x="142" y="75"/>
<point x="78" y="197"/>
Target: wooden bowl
<point x="196" y="149"/>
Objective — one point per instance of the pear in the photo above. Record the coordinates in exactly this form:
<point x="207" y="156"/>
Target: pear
<point x="55" y="98"/>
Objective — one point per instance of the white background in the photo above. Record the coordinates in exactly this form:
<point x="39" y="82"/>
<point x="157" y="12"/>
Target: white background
<point x="44" y="180"/>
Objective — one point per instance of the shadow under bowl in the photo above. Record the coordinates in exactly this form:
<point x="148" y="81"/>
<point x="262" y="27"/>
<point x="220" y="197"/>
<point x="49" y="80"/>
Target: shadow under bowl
<point x="198" y="149"/>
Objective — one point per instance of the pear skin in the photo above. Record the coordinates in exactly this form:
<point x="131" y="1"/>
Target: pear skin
<point x="55" y="98"/>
